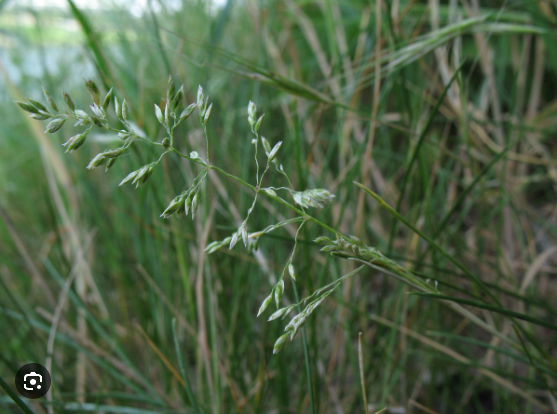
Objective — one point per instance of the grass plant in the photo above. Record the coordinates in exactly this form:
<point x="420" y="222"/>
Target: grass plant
<point x="379" y="236"/>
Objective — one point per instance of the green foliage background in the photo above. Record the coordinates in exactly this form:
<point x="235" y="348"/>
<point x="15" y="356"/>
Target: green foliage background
<point x="349" y="93"/>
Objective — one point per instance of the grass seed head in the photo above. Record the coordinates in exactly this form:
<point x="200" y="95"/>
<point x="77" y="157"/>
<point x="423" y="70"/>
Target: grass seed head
<point x="98" y="111"/>
<point x="252" y="112"/>
<point x="97" y="161"/>
<point x="258" y="123"/>
<point x="106" y="100"/>
<point x="131" y="176"/>
<point x="125" y="110"/>
<point x="178" y="100"/>
<point x="277" y="314"/>
<point x="68" y="101"/>
<point x="170" y="88"/>
<point x="200" y="97"/>
<point x="117" y="108"/>
<point x="312" y="198"/>
<point x="279" y="290"/>
<point x="187" y="112"/>
<point x="27" y="107"/>
<point x="41" y="116"/>
<point x="233" y="240"/>
<point x="292" y="271"/>
<point x="176" y="204"/>
<point x="50" y="101"/>
<point x="93" y="90"/>
<point x="113" y="153"/>
<point x="266" y="146"/>
<point x="274" y="151"/>
<point x="158" y="113"/>
<point x="194" y="206"/>
<point x="207" y="114"/>
<point x="187" y="204"/>
<point x="75" y="142"/>
<point x="109" y="164"/>
<point x="265" y="304"/>
<point x="38" y="105"/>
<point x="280" y="343"/>
<point x="54" y="125"/>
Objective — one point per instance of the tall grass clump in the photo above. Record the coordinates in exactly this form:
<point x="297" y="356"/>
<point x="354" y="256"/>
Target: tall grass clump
<point x="354" y="213"/>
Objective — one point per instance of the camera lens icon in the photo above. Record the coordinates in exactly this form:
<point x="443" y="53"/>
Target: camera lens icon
<point x="32" y="381"/>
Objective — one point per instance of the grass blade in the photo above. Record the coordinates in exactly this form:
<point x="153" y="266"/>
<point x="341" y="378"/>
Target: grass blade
<point x="395" y="214"/>
<point x="189" y="391"/>
<point x="306" y="355"/>
<point x="497" y="309"/>
<point x="417" y="150"/>
<point x="14" y="397"/>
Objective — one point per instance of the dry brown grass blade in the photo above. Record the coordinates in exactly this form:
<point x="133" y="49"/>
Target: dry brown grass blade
<point x="422" y="407"/>
<point x="362" y="374"/>
<point x="60" y="306"/>
<point x="190" y="329"/>
<point x="535" y="267"/>
<point x="159" y="353"/>
<point x="313" y="40"/>
<point x="359" y="228"/>
<point x="462" y="359"/>
<point x="29" y="263"/>
<point x="203" y="344"/>
<point x="95" y="349"/>
<point x="58" y="178"/>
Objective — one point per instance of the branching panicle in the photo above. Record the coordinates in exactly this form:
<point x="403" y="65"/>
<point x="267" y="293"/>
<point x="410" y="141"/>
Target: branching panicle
<point x="170" y="114"/>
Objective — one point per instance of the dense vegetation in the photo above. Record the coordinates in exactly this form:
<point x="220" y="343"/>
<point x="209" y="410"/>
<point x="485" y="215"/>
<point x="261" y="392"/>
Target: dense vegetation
<point x="430" y="273"/>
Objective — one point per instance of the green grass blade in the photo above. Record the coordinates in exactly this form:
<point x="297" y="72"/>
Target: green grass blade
<point x="458" y="202"/>
<point x="306" y="355"/>
<point x="14" y="397"/>
<point x="183" y="372"/>
<point x="158" y="37"/>
<point x="525" y="348"/>
<point x="417" y="150"/>
<point x="92" y="43"/>
<point x="496" y="309"/>
<point x="395" y="214"/>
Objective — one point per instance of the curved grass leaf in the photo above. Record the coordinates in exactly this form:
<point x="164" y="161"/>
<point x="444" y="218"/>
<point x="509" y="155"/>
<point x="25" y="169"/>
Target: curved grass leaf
<point x="496" y="309"/>
<point x="417" y="150"/>
<point x="451" y="258"/>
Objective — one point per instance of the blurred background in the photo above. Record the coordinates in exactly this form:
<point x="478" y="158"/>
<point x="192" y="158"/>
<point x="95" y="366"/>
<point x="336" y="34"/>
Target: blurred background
<point x="91" y="277"/>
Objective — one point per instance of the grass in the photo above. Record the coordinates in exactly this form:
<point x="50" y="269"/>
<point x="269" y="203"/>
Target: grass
<point x="433" y="127"/>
